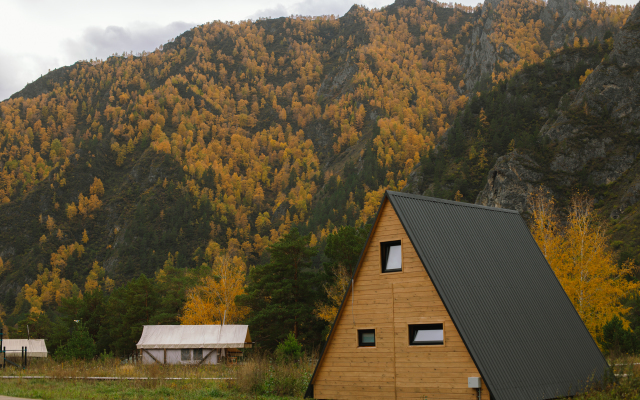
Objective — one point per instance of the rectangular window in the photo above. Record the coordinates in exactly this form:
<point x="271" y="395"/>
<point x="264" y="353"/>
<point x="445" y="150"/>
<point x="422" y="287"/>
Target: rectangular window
<point x="185" y="354"/>
<point x="426" y="334"/>
<point x="366" y="337"/>
<point x="391" y="253"/>
<point x="197" y="354"/>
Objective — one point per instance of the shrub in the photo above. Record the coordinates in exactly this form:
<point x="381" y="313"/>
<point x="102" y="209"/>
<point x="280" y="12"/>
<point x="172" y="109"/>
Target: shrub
<point x="617" y="340"/>
<point x="289" y="350"/>
<point x="80" y="346"/>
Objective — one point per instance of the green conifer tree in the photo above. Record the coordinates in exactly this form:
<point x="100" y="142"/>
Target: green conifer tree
<point x="282" y="294"/>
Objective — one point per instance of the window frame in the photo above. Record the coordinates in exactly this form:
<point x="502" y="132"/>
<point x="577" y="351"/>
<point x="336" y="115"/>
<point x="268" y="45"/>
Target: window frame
<point x="194" y="357"/>
<point x="409" y="331"/>
<point x="182" y="355"/>
<point x="358" y="338"/>
<point x="381" y="258"/>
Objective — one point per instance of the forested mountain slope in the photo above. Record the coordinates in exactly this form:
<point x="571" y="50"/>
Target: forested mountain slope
<point x="591" y="143"/>
<point x="233" y="133"/>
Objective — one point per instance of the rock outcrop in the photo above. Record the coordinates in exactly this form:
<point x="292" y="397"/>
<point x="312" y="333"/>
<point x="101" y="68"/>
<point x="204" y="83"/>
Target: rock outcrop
<point x="510" y="181"/>
<point x="595" y="137"/>
<point x="558" y="18"/>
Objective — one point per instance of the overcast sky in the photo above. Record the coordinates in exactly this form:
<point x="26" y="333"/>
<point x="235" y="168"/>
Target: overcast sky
<point x="39" y="35"/>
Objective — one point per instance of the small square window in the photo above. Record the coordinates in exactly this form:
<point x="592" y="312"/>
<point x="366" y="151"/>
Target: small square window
<point x="426" y="334"/>
<point x="197" y="354"/>
<point x="366" y="337"/>
<point x="391" y="253"/>
<point x="185" y="354"/>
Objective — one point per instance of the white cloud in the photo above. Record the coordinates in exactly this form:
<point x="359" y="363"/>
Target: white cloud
<point x="312" y="8"/>
<point x="16" y="70"/>
<point x="277" y="11"/>
<point x="103" y="42"/>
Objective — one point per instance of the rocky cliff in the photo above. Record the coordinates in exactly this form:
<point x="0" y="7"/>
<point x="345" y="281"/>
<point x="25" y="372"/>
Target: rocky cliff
<point x="594" y="142"/>
<point x="557" y="27"/>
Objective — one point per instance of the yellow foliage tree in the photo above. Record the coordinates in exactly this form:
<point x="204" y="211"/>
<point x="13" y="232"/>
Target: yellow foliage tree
<point x="582" y="260"/>
<point x="72" y="210"/>
<point x="51" y="224"/>
<point x="335" y="293"/>
<point x="213" y="301"/>
<point x="96" y="187"/>
<point x="97" y="277"/>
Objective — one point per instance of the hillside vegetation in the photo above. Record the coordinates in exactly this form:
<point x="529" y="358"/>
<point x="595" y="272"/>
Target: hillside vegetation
<point x="231" y="135"/>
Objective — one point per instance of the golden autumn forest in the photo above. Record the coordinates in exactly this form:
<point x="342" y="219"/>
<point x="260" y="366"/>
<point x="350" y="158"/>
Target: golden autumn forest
<point x="174" y="171"/>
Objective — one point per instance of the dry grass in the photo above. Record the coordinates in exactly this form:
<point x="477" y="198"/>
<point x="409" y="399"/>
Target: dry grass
<point x="112" y="367"/>
<point x="261" y="375"/>
<point x="257" y="378"/>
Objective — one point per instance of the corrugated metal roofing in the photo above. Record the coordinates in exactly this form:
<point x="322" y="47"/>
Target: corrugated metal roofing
<point x="193" y="337"/>
<point x="518" y="324"/>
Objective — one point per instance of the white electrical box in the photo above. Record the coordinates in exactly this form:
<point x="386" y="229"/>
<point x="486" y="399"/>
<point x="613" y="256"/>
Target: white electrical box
<point x="475" y="383"/>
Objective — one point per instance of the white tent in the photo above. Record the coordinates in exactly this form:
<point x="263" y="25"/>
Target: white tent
<point x="191" y="344"/>
<point x="35" y="347"/>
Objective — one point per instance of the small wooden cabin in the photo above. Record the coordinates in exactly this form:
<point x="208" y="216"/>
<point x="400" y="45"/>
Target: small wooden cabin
<point x="454" y="301"/>
<point x="192" y="344"/>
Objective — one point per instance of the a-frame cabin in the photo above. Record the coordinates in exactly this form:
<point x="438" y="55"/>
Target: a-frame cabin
<point x="449" y="296"/>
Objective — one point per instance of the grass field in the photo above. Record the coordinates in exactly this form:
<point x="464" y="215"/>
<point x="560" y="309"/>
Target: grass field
<point x="258" y="378"/>
<point x="255" y="379"/>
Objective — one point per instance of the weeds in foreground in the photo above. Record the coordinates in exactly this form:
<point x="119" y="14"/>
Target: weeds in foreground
<point x="113" y="367"/>
<point x="262" y="375"/>
<point x="622" y="382"/>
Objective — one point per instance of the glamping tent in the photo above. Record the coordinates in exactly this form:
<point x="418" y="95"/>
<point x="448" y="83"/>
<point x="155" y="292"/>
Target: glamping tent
<point x="191" y="344"/>
<point x="35" y="347"/>
<point x="454" y="301"/>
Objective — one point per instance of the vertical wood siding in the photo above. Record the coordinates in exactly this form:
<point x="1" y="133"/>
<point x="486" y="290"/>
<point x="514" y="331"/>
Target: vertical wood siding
<point x="388" y="303"/>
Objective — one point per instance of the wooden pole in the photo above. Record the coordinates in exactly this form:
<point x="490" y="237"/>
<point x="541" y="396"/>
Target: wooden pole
<point x="203" y="360"/>
<point x="151" y="355"/>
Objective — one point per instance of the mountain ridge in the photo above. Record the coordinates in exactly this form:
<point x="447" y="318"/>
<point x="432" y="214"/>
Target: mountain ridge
<point x="234" y="133"/>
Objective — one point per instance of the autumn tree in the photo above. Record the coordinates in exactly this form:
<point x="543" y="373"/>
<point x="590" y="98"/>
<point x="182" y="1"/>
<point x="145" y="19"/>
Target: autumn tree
<point x="96" y="187"/>
<point x="213" y="300"/>
<point x="577" y="250"/>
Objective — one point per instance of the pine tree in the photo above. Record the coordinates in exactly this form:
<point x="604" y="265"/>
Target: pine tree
<point x="282" y="293"/>
<point x="80" y="346"/>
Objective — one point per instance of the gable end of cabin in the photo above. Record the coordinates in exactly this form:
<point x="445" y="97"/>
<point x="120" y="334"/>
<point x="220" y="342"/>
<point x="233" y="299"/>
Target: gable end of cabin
<point x="393" y="337"/>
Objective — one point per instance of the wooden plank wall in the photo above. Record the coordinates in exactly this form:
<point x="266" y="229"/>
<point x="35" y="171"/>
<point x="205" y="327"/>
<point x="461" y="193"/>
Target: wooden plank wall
<point x="388" y="303"/>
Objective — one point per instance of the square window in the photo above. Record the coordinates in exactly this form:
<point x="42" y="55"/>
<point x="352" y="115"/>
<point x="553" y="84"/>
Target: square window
<point x="426" y="334"/>
<point x="197" y="354"/>
<point x="366" y="337"/>
<point x="185" y="354"/>
<point x="391" y="253"/>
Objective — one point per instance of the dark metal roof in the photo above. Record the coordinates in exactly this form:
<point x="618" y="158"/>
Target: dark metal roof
<point x="518" y="324"/>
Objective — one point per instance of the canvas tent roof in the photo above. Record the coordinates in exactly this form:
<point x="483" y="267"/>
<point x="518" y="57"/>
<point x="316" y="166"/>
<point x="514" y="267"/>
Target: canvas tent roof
<point x="194" y="337"/>
<point x="35" y="347"/>
<point x="518" y="324"/>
